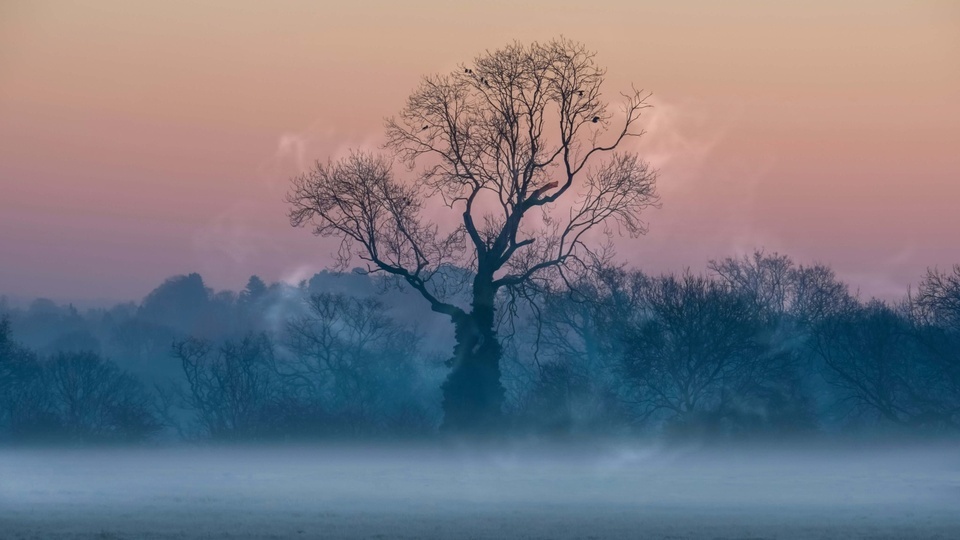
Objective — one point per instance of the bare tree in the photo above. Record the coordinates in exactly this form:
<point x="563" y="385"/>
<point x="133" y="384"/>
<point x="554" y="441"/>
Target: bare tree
<point x="230" y="389"/>
<point x="938" y="298"/>
<point x="26" y="409"/>
<point x="764" y="279"/>
<point x="75" y="396"/>
<point x="697" y="352"/>
<point x="353" y="355"/>
<point x="878" y="368"/>
<point x="780" y="289"/>
<point x="818" y="295"/>
<point x="512" y="145"/>
<point x="935" y="318"/>
<point x="97" y="401"/>
<point x="577" y="345"/>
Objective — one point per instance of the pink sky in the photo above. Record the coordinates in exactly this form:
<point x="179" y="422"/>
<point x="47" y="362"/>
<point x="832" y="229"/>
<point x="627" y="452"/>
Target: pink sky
<point x="141" y="140"/>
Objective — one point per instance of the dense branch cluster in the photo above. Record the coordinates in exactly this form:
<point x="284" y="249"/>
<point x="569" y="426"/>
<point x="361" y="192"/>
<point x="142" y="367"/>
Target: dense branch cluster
<point x="512" y="144"/>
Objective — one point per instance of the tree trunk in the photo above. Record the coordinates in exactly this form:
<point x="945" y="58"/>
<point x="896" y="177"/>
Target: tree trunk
<point x="472" y="394"/>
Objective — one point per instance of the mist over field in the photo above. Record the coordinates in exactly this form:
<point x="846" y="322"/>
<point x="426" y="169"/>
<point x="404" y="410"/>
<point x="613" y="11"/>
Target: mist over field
<point x="625" y="489"/>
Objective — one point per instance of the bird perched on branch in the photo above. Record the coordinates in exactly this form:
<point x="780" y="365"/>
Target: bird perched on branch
<point x="595" y="119"/>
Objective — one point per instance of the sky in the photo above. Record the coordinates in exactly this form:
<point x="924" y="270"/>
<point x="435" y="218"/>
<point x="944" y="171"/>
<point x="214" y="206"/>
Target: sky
<point x="140" y="140"/>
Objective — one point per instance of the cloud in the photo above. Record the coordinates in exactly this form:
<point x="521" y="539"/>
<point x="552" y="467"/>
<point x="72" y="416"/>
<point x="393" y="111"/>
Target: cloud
<point x="298" y="273"/>
<point x="296" y="151"/>
<point x="679" y="138"/>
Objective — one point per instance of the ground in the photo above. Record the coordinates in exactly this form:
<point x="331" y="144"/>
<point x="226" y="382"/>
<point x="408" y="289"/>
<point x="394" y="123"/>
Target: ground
<point x="622" y="490"/>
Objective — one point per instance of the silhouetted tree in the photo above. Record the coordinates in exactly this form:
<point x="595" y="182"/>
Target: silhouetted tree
<point x="180" y="303"/>
<point x="98" y="402"/>
<point x="935" y="314"/>
<point x="26" y="411"/>
<point x="231" y="389"/>
<point x="938" y="298"/>
<point x="511" y="146"/>
<point x="781" y="290"/>
<point x="818" y="294"/>
<point x="877" y="368"/>
<point x="352" y="354"/>
<point x="574" y="384"/>
<point x="10" y="356"/>
<point x="764" y="279"/>
<point x="48" y="328"/>
<point x="700" y="354"/>
<point x="255" y="290"/>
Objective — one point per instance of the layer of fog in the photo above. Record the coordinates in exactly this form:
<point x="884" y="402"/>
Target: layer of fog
<point x="604" y="490"/>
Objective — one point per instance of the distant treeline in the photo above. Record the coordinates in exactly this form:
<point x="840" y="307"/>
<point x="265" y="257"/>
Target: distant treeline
<point x="756" y="346"/>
